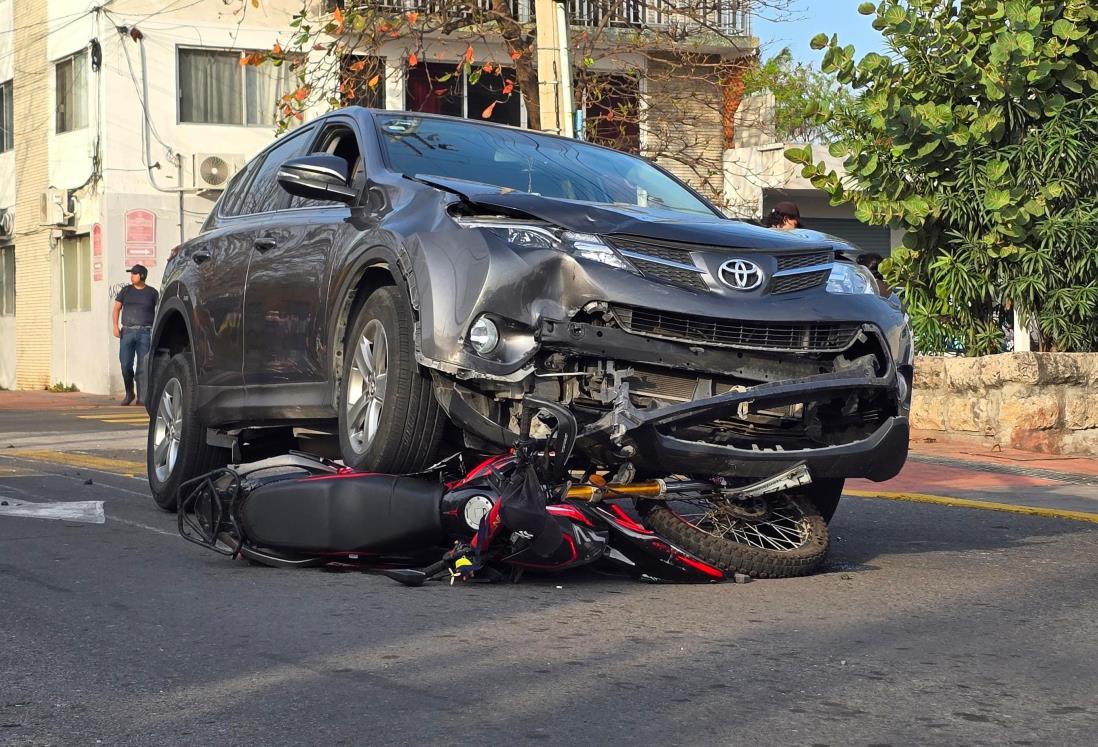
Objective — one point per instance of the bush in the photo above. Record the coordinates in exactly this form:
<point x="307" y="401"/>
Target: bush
<point x="978" y="135"/>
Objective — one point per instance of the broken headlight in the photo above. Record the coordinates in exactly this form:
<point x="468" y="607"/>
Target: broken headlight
<point x="522" y="234"/>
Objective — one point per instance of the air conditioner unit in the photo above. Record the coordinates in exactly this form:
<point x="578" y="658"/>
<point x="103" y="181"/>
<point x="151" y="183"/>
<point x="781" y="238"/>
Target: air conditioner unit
<point x="7" y="223"/>
<point x="214" y="170"/>
<point x="56" y="208"/>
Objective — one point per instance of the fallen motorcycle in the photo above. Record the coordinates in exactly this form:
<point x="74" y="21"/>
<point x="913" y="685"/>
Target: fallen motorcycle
<point x="524" y="510"/>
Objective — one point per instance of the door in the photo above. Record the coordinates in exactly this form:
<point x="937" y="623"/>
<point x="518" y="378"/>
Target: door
<point x="286" y="309"/>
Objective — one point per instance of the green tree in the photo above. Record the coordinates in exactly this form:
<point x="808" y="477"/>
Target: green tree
<point x="799" y="91"/>
<point x="978" y="134"/>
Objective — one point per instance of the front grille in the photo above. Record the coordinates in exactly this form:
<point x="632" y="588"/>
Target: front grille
<point x="799" y="281"/>
<point x="685" y="278"/>
<point x="800" y="336"/>
<point x="797" y="261"/>
<point x="668" y="250"/>
<point x="664" y="250"/>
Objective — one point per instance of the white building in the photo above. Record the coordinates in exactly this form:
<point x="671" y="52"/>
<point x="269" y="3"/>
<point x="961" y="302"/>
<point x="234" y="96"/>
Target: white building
<point x="119" y="121"/>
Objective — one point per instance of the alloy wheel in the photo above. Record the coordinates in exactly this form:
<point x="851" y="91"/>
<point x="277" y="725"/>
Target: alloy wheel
<point x="366" y="384"/>
<point x="168" y="430"/>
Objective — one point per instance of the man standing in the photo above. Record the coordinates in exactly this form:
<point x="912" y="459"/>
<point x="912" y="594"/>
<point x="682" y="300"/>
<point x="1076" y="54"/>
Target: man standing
<point x="137" y="305"/>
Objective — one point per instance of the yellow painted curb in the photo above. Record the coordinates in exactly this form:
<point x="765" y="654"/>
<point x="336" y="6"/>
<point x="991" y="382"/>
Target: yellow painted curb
<point x="943" y="500"/>
<point x="103" y="464"/>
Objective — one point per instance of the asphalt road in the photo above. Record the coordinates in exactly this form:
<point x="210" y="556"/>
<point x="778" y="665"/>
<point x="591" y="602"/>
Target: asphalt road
<point x="931" y="625"/>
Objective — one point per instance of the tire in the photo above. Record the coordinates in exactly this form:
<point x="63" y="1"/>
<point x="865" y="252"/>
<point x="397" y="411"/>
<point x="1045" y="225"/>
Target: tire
<point x="389" y="419"/>
<point x="173" y="418"/>
<point x="825" y="495"/>
<point x="734" y="556"/>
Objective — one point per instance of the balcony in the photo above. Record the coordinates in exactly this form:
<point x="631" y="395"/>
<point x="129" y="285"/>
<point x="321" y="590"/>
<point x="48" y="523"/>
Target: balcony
<point x="726" y="17"/>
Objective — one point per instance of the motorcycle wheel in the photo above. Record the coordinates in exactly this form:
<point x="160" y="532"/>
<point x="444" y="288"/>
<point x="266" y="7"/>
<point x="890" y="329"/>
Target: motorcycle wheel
<point x="780" y="536"/>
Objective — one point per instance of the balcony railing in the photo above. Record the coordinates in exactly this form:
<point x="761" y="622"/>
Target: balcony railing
<point x="729" y="17"/>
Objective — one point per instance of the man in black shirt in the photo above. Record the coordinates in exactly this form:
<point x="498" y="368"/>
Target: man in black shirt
<point x="137" y="305"/>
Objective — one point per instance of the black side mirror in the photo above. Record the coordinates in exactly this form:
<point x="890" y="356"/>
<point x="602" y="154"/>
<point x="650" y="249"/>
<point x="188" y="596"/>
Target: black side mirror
<point x="318" y="177"/>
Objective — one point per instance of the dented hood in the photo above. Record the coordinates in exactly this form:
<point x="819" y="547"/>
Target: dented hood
<point x="650" y="222"/>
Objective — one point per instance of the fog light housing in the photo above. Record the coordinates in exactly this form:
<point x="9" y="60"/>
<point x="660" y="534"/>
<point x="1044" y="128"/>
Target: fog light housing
<point x="484" y="335"/>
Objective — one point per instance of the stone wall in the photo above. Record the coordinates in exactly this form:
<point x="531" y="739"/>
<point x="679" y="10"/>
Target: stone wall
<point x="1044" y="402"/>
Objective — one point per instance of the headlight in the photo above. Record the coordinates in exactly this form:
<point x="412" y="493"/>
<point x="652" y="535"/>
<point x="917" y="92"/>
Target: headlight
<point x="850" y="278"/>
<point x="538" y="235"/>
<point x="484" y="335"/>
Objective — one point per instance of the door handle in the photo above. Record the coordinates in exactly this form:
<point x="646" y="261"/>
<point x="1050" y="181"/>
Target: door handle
<point x="264" y="243"/>
<point x="200" y="256"/>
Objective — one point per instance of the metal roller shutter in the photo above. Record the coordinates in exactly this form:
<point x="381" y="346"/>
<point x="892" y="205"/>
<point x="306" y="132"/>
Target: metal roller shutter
<point x="870" y="239"/>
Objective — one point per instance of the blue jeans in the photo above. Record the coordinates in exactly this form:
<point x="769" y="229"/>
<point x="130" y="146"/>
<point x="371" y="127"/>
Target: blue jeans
<point x="134" y="343"/>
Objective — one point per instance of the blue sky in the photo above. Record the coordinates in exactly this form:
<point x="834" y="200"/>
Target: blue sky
<point x="806" y="18"/>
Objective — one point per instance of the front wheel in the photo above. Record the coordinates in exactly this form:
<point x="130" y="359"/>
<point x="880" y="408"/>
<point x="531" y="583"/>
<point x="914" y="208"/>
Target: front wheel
<point x="778" y="536"/>
<point x="389" y="420"/>
<point x="176" y="450"/>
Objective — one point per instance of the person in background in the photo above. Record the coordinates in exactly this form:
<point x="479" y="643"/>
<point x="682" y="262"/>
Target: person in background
<point x="136" y="303"/>
<point x="785" y="216"/>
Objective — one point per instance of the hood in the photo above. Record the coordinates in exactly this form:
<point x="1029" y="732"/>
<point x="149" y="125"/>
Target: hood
<point x="631" y="220"/>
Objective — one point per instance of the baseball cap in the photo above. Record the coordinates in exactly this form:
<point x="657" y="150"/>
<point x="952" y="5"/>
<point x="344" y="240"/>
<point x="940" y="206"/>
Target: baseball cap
<point x="788" y="208"/>
<point x="139" y="269"/>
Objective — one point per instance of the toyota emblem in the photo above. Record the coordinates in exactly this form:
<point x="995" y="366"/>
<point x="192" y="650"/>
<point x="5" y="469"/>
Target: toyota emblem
<point x="740" y="274"/>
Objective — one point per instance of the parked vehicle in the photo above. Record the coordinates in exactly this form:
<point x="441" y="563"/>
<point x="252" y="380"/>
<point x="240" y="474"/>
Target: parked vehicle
<point x="400" y="279"/>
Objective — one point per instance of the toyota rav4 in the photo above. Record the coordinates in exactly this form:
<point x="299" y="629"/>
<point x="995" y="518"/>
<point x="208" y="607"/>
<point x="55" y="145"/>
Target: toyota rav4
<point x="402" y="281"/>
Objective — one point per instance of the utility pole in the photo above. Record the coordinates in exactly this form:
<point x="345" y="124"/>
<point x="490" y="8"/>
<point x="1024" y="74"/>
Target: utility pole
<point x="554" y="67"/>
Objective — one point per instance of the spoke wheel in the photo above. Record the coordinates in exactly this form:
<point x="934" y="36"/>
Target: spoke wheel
<point x="168" y="430"/>
<point x="776" y="536"/>
<point x="366" y="386"/>
<point x="776" y="525"/>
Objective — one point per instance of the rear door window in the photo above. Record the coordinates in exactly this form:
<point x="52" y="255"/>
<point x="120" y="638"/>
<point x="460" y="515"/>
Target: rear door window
<point x="262" y="193"/>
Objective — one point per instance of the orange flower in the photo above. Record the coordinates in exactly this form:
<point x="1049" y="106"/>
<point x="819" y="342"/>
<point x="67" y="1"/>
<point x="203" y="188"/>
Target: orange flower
<point x="373" y="81"/>
<point x="277" y="49"/>
<point x="356" y="67"/>
<point x="508" y="86"/>
<point x="413" y="60"/>
<point x="412" y="16"/>
<point x="488" y="67"/>
<point x="487" y="113"/>
<point x="302" y="93"/>
<point x="469" y="54"/>
<point x="515" y="54"/>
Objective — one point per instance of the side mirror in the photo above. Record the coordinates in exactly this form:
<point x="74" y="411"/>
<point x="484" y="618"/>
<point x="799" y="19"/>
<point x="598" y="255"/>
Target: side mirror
<point x="318" y="177"/>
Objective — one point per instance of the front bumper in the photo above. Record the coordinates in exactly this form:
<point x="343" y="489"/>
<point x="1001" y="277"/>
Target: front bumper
<point x="648" y="437"/>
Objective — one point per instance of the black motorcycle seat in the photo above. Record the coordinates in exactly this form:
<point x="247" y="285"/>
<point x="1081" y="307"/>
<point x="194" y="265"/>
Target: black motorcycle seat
<point x="345" y="513"/>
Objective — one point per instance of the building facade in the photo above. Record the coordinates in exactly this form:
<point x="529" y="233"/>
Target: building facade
<point x="119" y="124"/>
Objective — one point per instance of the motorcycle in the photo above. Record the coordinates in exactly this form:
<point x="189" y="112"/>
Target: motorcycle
<point x="526" y="510"/>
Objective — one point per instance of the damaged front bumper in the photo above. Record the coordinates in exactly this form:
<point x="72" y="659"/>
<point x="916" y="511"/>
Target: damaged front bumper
<point x="656" y="438"/>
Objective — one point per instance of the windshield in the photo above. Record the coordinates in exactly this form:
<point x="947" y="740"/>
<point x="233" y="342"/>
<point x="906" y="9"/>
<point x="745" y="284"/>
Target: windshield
<point x="526" y="162"/>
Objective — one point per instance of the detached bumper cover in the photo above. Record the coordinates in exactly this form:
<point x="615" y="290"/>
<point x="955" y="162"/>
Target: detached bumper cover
<point x="879" y="456"/>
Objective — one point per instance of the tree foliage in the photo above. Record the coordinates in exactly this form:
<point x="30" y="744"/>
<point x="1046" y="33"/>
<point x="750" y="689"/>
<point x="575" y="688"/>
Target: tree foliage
<point x="978" y="135"/>
<point x="799" y="90"/>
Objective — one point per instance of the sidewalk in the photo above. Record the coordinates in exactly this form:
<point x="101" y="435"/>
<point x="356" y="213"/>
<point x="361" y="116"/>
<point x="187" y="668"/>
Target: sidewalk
<point x="942" y="468"/>
<point x="39" y="400"/>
